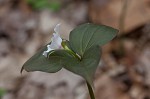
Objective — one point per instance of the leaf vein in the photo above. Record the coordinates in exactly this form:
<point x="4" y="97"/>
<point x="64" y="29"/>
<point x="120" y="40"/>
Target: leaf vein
<point x="91" y="37"/>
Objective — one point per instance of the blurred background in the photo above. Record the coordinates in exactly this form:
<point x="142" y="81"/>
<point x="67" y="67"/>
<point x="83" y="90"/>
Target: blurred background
<point x="27" y="25"/>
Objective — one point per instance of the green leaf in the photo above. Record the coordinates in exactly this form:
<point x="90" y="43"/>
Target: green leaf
<point x="38" y="62"/>
<point x="87" y="35"/>
<point x="53" y="5"/>
<point x="87" y="66"/>
<point x="59" y="59"/>
<point x="52" y="64"/>
<point x="2" y="92"/>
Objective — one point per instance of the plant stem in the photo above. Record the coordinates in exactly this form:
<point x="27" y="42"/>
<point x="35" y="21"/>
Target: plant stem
<point x="90" y="91"/>
<point x="123" y="16"/>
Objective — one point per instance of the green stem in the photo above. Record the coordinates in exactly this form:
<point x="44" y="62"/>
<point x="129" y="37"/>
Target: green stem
<point x="90" y="91"/>
<point x="64" y="45"/>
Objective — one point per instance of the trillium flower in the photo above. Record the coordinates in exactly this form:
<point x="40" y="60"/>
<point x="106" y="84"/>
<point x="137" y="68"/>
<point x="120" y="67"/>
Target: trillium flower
<point x="56" y="41"/>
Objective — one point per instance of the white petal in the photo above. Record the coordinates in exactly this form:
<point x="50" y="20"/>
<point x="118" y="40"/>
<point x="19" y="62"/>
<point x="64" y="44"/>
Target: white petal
<point x="45" y="53"/>
<point x="57" y="28"/>
<point x="48" y="50"/>
<point x="55" y="41"/>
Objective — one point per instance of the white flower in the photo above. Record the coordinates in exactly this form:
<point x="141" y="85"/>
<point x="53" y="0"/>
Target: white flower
<point x="56" y="41"/>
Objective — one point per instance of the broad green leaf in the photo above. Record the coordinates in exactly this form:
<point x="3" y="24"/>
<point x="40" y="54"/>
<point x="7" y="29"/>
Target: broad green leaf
<point x="59" y="59"/>
<point x="52" y="64"/>
<point x="87" y="66"/>
<point x="87" y="35"/>
<point x="38" y="62"/>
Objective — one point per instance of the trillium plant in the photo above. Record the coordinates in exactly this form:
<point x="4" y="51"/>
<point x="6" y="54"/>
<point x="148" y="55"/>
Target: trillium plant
<point x="80" y="55"/>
